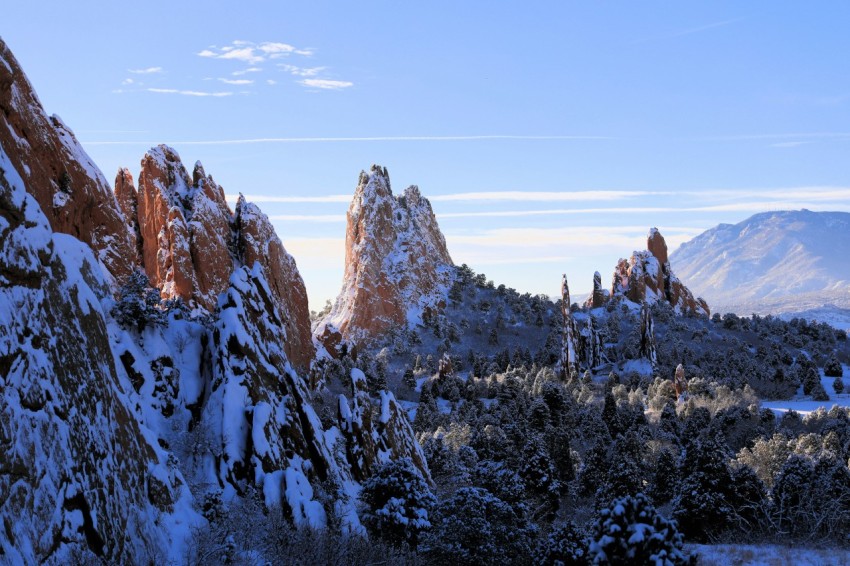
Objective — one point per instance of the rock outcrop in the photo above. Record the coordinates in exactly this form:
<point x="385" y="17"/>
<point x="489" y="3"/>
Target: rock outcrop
<point x="189" y="243"/>
<point x="599" y="296"/>
<point x="648" y="277"/>
<point x="396" y="261"/>
<point x="257" y="242"/>
<point x="185" y="227"/>
<point x="71" y="191"/>
<point x="77" y="471"/>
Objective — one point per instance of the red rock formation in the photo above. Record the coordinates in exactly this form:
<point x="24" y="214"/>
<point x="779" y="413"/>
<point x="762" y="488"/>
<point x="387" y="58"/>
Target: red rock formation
<point x="598" y="296"/>
<point x="185" y="227"/>
<point x="258" y="242"/>
<point x="128" y="204"/>
<point x="647" y="277"/>
<point x="191" y="242"/>
<point x="69" y="188"/>
<point x="396" y="261"/>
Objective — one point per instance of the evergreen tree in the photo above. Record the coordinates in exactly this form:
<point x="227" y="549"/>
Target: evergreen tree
<point x="475" y="527"/>
<point x="702" y="503"/>
<point x="631" y="531"/>
<point x="398" y="503"/>
<point x="566" y="545"/>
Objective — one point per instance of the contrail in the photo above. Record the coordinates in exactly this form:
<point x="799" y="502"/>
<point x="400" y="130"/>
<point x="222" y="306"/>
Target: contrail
<point x="354" y="139"/>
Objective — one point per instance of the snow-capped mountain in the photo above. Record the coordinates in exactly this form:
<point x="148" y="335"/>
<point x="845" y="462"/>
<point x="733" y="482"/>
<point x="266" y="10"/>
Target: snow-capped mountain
<point x="396" y="262"/>
<point x="771" y="262"/>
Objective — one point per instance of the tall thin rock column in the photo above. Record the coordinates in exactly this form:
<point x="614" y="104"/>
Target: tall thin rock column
<point x="567" y="363"/>
<point x="647" y="336"/>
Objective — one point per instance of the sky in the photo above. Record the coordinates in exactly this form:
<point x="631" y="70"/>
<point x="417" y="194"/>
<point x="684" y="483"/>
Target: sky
<point x="549" y="136"/>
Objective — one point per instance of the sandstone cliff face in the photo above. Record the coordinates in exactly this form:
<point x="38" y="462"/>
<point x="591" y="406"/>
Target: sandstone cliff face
<point x="71" y="191"/>
<point x="648" y="277"/>
<point x="185" y="227"/>
<point x="191" y="243"/>
<point x="76" y="470"/>
<point x="396" y="261"/>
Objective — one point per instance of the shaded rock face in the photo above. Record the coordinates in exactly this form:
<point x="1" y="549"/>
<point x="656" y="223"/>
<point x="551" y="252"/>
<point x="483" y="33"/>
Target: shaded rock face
<point x="258" y="242"/>
<point x="75" y="468"/>
<point x="396" y="261"/>
<point x="648" y="277"/>
<point x="71" y="191"/>
<point x="190" y="243"/>
<point x="371" y="441"/>
<point x="270" y="433"/>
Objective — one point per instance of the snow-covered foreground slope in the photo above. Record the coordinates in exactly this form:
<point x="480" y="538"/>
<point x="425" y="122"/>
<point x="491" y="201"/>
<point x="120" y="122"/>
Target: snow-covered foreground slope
<point x="77" y="467"/>
<point x="771" y="262"/>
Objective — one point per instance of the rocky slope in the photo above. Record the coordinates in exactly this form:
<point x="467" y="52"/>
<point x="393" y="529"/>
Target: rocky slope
<point x="127" y="422"/>
<point x="771" y="262"/>
<point x="648" y="277"/>
<point x="396" y="263"/>
<point x="76" y="466"/>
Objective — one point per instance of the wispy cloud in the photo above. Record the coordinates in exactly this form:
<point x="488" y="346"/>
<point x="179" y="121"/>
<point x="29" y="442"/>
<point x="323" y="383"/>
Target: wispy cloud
<point x="301" y="71"/>
<point x="237" y="81"/>
<point x="326" y="84"/>
<point x="147" y="71"/>
<point x="688" y="31"/>
<point x="291" y="199"/>
<point x="187" y="93"/>
<point x="360" y="139"/>
<point x="246" y="71"/>
<point x="253" y="53"/>
<point x="543" y="196"/>
<point x="790" y="144"/>
<point x="330" y="218"/>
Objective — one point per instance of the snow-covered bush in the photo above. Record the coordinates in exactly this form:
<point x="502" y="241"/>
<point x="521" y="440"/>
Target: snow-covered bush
<point x="398" y="503"/>
<point x="566" y="545"/>
<point x="475" y="527"/>
<point x="631" y="531"/>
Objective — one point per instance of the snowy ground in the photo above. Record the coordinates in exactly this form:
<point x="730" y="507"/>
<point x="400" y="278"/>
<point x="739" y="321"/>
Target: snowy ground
<point x="767" y="555"/>
<point x="805" y="405"/>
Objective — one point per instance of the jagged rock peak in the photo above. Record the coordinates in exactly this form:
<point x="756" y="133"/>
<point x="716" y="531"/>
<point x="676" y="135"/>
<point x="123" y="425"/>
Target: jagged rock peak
<point x="70" y="189"/>
<point x="648" y="277"/>
<point x="396" y="261"/>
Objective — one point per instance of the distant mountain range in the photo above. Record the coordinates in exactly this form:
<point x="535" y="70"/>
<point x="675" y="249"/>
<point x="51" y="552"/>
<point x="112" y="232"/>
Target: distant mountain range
<point x="773" y="262"/>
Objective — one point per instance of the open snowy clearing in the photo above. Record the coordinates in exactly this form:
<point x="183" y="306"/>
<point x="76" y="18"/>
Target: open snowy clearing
<point x="805" y="405"/>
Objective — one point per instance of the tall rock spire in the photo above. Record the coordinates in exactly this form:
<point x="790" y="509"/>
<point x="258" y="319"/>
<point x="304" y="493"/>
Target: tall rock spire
<point x="396" y="261"/>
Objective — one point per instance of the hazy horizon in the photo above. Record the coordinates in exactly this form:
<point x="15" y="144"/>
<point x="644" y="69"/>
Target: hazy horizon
<point x="549" y="138"/>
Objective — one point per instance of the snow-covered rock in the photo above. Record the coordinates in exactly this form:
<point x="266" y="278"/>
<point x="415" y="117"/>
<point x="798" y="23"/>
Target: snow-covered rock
<point x="72" y="192"/>
<point x="77" y="469"/>
<point x="648" y="277"/>
<point x="396" y="261"/>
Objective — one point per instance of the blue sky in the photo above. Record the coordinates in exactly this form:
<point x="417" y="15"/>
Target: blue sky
<point x="549" y="135"/>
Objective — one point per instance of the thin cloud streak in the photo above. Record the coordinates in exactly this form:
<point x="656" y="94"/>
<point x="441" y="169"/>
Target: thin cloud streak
<point x="544" y="196"/>
<point x="333" y="218"/>
<point x="288" y="199"/>
<point x="350" y="139"/>
<point x="689" y="31"/>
